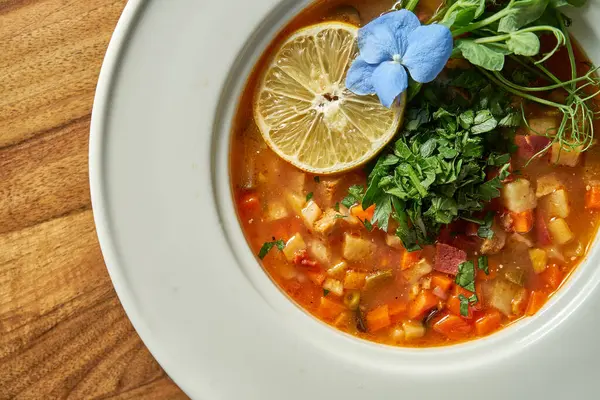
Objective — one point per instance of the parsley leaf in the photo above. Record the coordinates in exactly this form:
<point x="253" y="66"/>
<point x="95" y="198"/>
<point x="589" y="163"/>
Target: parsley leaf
<point x="309" y="196"/>
<point x="465" y="302"/>
<point x="482" y="264"/>
<point x="465" y="277"/>
<point x="368" y="225"/>
<point x="355" y="195"/>
<point x="485" y="230"/>
<point x="336" y="207"/>
<point x="325" y="292"/>
<point x="267" y="246"/>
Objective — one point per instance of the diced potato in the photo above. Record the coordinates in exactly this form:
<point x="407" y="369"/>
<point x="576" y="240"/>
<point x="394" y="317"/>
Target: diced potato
<point x="565" y="156"/>
<point x="320" y="251"/>
<point x="328" y="221"/>
<point x="328" y="190"/>
<point x="275" y="211"/>
<point x="519" y="302"/>
<point x="554" y="253"/>
<point x="295" y="181"/>
<point x="413" y="330"/>
<point x="560" y="231"/>
<point x="515" y="275"/>
<point x="394" y="241"/>
<point x="338" y="269"/>
<point x="354" y="280"/>
<point x="575" y="249"/>
<point x="547" y="184"/>
<point x="518" y="242"/>
<point x="539" y="260"/>
<point x="544" y="125"/>
<point x="414" y="274"/>
<point x="310" y="214"/>
<point x="496" y="243"/>
<point x="296" y="202"/>
<point x="296" y="243"/>
<point x="397" y="335"/>
<point x="499" y="293"/>
<point x="518" y="196"/>
<point x="356" y="248"/>
<point x="556" y="204"/>
<point x="334" y="286"/>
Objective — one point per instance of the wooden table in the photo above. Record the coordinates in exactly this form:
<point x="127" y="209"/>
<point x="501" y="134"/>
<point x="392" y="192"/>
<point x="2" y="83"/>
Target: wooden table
<point x="63" y="332"/>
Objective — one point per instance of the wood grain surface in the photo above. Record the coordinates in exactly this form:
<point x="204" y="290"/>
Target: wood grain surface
<point x="63" y="332"/>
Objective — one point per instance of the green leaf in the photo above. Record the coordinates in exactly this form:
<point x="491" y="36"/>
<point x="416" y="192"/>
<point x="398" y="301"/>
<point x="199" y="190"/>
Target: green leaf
<point x="484" y="122"/>
<point x="524" y="44"/>
<point x="336" y="207"/>
<point x="267" y="246"/>
<point x="490" y="189"/>
<point x="485" y="230"/>
<point x="480" y="54"/>
<point x="482" y="264"/>
<point x="522" y="13"/>
<point x="497" y="160"/>
<point x="428" y="147"/>
<point x="466" y="119"/>
<point x="512" y="120"/>
<point x="325" y="292"/>
<point x="465" y="277"/>
<point x="355" y="195"/>
<point x="414" y="88"/>
<point x="383" y="211"/>
<point x="309" y="196"/>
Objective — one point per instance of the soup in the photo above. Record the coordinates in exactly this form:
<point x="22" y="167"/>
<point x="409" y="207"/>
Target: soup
<point x="506" y="215"/>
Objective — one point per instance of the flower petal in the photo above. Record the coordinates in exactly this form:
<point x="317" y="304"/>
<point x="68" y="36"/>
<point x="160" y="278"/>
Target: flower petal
<point x="358" y="79"/>
<point x="428" y="51"/>
<point x="389" y="80"/>
<point x="402" y="23"/>
<point x="377" y="43"/>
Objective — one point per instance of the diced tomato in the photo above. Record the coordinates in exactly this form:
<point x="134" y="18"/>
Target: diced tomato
<point x="536" y="301"/>
<point x="378" y="318"/>
<point x="424" y="302"/>
<point x="410" y="258"/>
<point x="249" y="203"/>
<point x="542" y="234"/>
<point x="448" y="258"/>
<point x="553" y="276"/>
<point x="453" y="327"/>
<point x="592" y="198"/>
<point x="522" y="222"/>
<point x="488" y="323"/>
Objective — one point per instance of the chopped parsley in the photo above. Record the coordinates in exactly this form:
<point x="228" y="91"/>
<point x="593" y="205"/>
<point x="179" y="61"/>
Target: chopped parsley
<point x="309" y="196"/>
<point x="317" y="179"/>
<point x="267" y="246"/>
<point x="465" y="277"/>
<point x="464" y="303"/>
<point x="336" y="207"/>
<point x="485" y="229"/>
<point x="482" y="264"/>
<point x="368" y="225"/>
<point x="355" y="195"/>
<point x="325" y="292"/>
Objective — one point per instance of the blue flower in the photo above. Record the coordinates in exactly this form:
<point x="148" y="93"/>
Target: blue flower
<point x="392" y="44"/>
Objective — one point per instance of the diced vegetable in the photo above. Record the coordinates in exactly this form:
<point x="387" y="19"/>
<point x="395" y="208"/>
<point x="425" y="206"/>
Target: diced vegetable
<point x="518" y="196"/>
<point x="499" y="293"/>
<point x="419" y="270"/>
<point x="296" y="202"/>
<point x="295" y="181"/>
<point x="338" y="269"/>
<point x="329" y="220"/>
<point x="393" y="241"/>
<point x="363" y="215"/>
<point x="378" y="318"/>
<point x="592" y="198"/>
<point x="556" y="204"/>
<point x="426" y="282"/>
<point x="542" y="234"/>
<point x="296" y="243"/>
<point x="543" y="125"/>
<point x="439" y="292"/>
<point x="310" y="214"/>
<point x="334" y="286"/>
<point x="453" y="305"/>
<point x="409" y="259"/>
<point x="448" y="258"/>
<point x="519" y="303"/>
<point x="397" y="335"/>
<point x="352" y="299"/>
<point x="575" y="249"/>
<point x="522" y="222"/>
<point x="442" y="281"/>
<point x="424" y="302"/>
<point x="565" y="156"/>
<point x="354" y="280"/>
<point x="453" y="327"/>
<point x="328" y="190"/>
<point x="554" y="253"/>
<point x="378" y="277"/>
<point x="488" y="323"/>
<point x="530" y="145"/>
<point x="330" y="309"/>
<point x="413" y="330"/>
<point x="249" y="203"/>
<point x="320" y="251"/>
<point x="516" y="276"/>
<point x="356" y="248"/>
<point x="317" y="277"/>
<point x="560" y="231"/>
<point x="536" y="301"/>
<point x="539" y="260"/>
<point x="547" y="184"/>
<point x="397" y="308"/>
<point x="343" y="319"/>
<point x="496" y="243"/>
<point x="276" y="210"/>
<point x="553" y="276"/>
<point x="518" y="242"/>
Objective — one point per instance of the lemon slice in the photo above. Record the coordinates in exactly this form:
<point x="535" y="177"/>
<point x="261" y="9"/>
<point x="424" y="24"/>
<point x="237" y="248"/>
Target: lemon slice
<point x="305" y="112"/>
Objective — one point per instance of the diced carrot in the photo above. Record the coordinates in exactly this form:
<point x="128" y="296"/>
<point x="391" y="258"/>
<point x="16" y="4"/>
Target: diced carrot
<point x="249" y="203"/>
<point x="363" y="215"/>
<point x="482" y="276"/>
<point x="453" y="327"/>
<point x="409" y="259"/>
<point x="397" y="308"/>
<point x="317" y="277"/>
<point x="536" y="301"/>
<point x="458" y="290"/>
<point x="442" y="281"/>
<point x="453" y="305"/>
<point x="330" y="309"/>
<point x="552" y="276"/>
<point x="592" y="198"/>
<point x="424" y="302"/>
<point x="522" y="222"/>
<point x="488" y="323"/>
<point x="354" y="280"/>
<point x="378" y="318"/>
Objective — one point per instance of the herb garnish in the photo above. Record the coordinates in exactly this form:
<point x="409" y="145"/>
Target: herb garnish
<point x="465" y="277"/>
<point x="267" y="246"/>
<point x="355" y="195"/>
<point x="464" y="303"/>
<point x="482" y="264"/>
<point x="336" y="207"/>
<point x="309" y="196"/>
<point x="325" y="292"/>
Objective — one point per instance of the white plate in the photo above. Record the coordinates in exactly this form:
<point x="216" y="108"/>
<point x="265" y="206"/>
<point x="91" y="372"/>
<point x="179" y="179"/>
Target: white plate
<point x="187" y="279"/>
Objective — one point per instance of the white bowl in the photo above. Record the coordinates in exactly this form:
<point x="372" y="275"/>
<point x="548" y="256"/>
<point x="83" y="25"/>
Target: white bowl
<point x="159" y="153"/>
